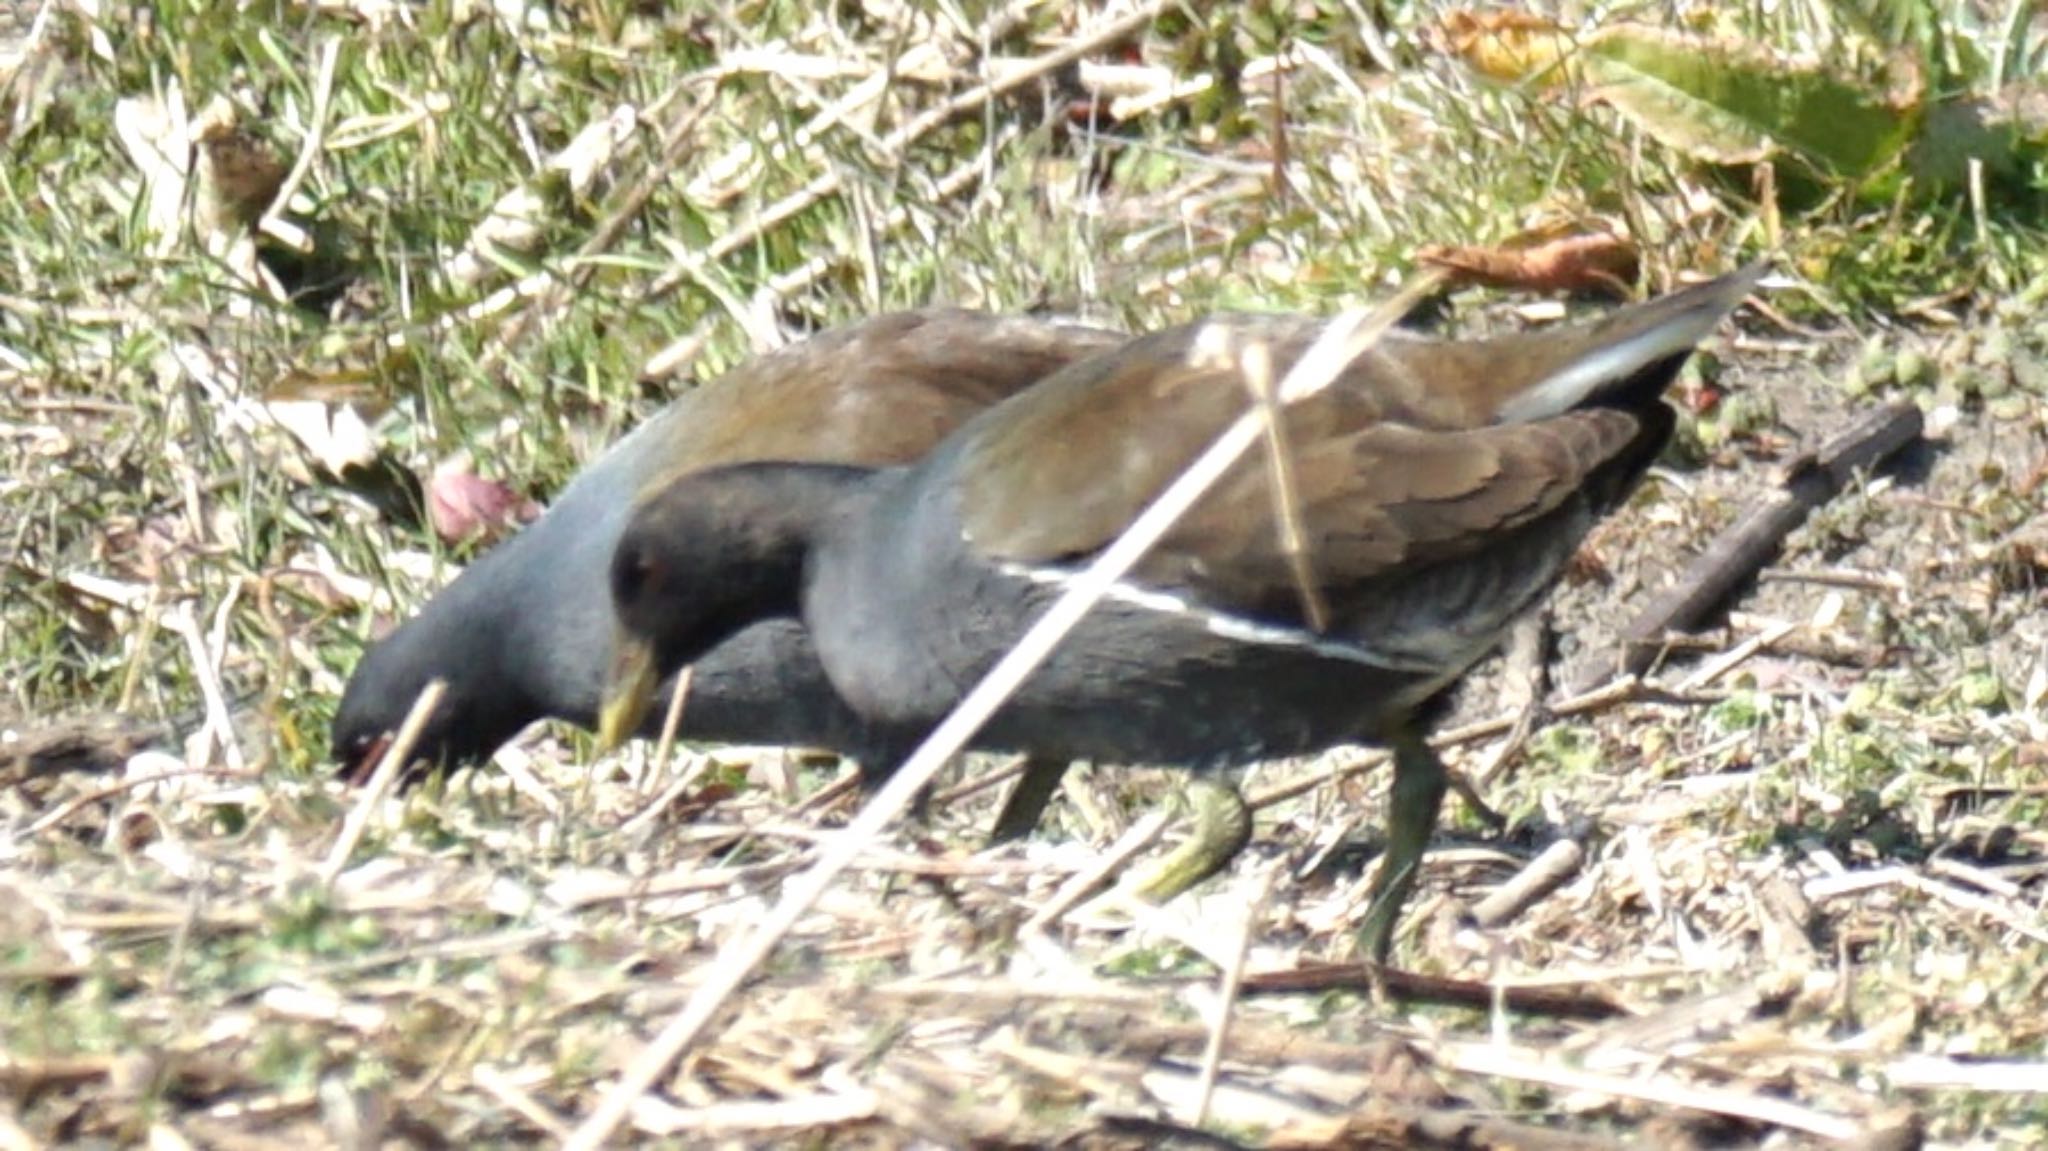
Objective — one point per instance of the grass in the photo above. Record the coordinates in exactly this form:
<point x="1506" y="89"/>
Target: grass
<point x="497" y="948"/>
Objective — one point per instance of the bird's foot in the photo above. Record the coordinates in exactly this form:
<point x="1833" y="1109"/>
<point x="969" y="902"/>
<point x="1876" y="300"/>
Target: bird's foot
<point x="1223" y="826"/>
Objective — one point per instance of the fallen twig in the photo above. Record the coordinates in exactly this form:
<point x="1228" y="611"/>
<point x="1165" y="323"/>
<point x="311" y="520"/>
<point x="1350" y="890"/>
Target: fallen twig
<point x="1477" y="1059"/>
<point x="1233" y="984"/>
<point x="1801" y="640"/>
<point x="1076" y="889"/>
<point x="1999" y="911"/>
<point x="66" y="810"/>
<point x="1557" y="1002"/>
<point x="381" y="781"/>
<point x="1742" y="548"/>
<point x="1933" y="1071"/>
<point x="1555" y="864"/>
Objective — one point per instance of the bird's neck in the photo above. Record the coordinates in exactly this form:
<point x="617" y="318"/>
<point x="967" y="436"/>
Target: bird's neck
<point x="788" y="510"/>
<point x="472" y="635"/>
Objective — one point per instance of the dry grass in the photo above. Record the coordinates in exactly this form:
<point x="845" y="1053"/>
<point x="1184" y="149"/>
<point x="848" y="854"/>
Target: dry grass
<point x="1810" y="902"/>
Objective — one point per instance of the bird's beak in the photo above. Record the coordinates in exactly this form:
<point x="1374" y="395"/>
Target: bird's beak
<point x="363" y="766"/>
<point x="627" y="693"/>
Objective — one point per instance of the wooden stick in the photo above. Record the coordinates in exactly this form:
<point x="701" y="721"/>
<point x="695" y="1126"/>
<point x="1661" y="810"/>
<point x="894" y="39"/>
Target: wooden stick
<point x="1544" y="874"/>
<point x="396" y="756"/>
<point x="1504" y="1063"/>
<point x="1743" y="548"/>
<point x="1556" y="1002"/>
<point x="1226" y="998"/>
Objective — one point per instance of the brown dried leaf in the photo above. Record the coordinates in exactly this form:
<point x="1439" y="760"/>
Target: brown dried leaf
<point x="1600" y="262"/>
<point x="239" y="176"/>
<point x="1512" y="47"/>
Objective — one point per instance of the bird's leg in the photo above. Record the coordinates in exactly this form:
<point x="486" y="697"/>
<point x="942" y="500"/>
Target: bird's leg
<point x="879" y="762"/>
<point x="1222" y="827"/>
<point x="1412" y="806"/>
<point x="921" y="808"/>
<point x="1025" y="805"/>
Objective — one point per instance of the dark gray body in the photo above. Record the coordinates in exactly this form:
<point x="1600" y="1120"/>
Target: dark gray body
<point x="1440" y="489"/>
<point x="909" y="616"/>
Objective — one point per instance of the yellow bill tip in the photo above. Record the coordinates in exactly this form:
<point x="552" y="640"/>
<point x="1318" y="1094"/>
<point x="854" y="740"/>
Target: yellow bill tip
<point x="626" y="696"/>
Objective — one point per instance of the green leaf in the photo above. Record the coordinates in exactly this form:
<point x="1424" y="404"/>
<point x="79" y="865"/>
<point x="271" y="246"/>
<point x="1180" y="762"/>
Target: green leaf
<point x="2004" y="131"/>
<point x="1731" y="103"/>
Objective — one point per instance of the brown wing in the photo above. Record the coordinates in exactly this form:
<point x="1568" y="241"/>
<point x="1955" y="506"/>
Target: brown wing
<point x="1391" y="499"/>
<point x="1057" y="472"/>
<point x="879" y="392"/>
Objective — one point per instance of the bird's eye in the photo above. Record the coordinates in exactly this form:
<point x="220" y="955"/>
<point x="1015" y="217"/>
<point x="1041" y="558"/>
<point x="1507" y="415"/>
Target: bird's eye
<point x="631" y="575"/>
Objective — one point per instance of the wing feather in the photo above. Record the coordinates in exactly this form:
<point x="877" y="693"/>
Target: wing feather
<point x="1388" y="500"/>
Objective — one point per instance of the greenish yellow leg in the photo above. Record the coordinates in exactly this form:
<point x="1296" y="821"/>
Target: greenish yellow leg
<point x="1412" y="807"/>
<point x="1026" y="804"/>
<point x="1223" y="825"/>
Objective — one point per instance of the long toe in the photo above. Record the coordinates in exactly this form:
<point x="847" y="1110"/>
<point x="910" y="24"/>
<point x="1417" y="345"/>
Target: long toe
<point x="1222" y="828"/>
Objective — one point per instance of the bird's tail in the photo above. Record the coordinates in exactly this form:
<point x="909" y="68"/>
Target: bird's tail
<point x="1628" y="357"/>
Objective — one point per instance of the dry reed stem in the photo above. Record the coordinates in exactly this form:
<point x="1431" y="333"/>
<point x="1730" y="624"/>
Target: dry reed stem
<point x="381" y="781"/>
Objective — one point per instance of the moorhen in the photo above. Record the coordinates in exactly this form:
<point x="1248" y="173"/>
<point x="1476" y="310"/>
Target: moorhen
<point x="1442" y="487"/>
<point x="526" y="632"/>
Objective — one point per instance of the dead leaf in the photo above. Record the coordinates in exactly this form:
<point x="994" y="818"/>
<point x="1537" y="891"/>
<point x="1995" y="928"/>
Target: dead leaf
<point x="207" y="166"/>
<point x="518" y="224"/>
<point x="1599" y="262"/>
<point x="239" y="175"/>
<point x="1509" y="46"/>
<point x="155" y="133"/>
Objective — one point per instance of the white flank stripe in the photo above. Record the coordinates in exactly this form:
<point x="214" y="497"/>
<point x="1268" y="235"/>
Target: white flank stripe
<point x="1237" y="627"/>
